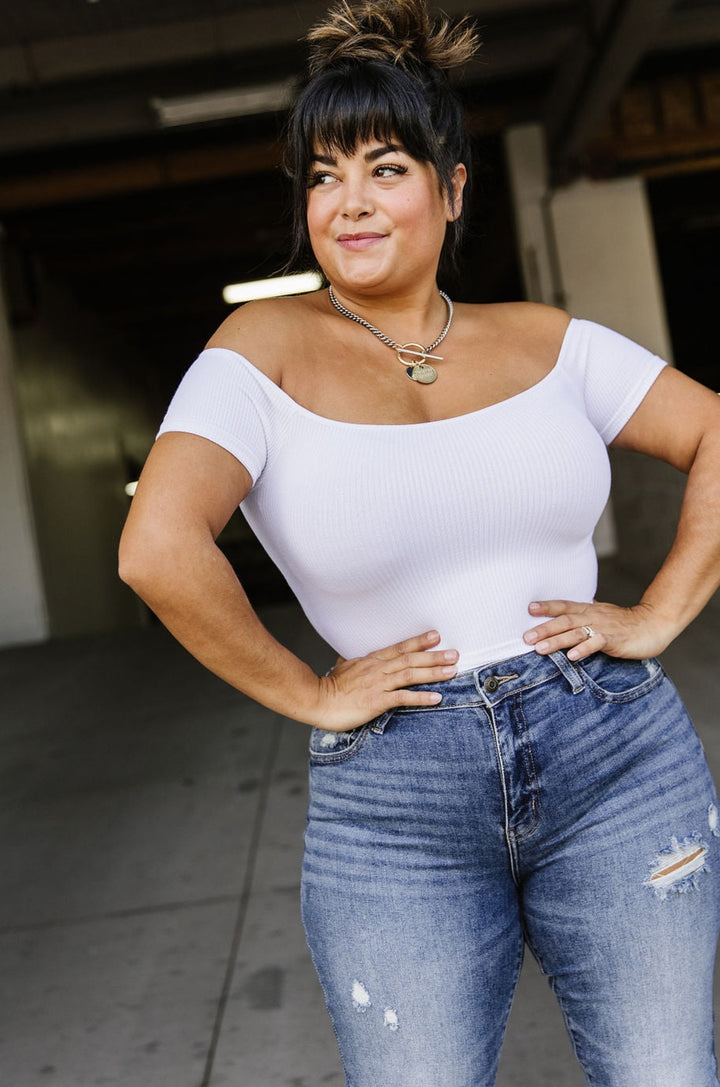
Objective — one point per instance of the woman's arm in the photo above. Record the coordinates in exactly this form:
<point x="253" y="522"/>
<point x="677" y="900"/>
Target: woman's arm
<point x="188" y="489"/>
<point x="678" y="422"/>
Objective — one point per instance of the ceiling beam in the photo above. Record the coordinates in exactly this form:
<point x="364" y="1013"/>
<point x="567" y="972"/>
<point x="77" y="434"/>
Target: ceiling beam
<point x="689" y="28"/>
<point x="155" y="171"/>
<point x="85" y="55"/>
<point x="595" y="71"/>
<point x="271" y="26"/>
<point x="116" y="107"/>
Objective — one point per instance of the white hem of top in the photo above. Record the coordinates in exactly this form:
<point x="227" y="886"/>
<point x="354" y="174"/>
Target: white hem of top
<point x="470" y="662"/>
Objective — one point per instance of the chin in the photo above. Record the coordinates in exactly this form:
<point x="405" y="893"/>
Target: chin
<point x="362" y="277"/>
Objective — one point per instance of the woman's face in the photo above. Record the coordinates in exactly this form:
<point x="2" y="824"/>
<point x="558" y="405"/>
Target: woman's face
<point x="377" y="218"/>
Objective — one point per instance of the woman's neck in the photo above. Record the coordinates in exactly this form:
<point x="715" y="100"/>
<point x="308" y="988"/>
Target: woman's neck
<point x="416" y="314"/>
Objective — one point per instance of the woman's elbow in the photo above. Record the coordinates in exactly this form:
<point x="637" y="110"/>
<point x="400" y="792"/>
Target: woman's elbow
<point x="155" y="557"/>
<point x="131" y="561"/>
<point x="140" y="559"/>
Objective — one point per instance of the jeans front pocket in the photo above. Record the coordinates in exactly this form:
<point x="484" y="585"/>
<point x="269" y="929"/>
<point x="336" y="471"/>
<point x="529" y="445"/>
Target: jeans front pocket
<point x="617" y="679"/>
<point x="328" y="747"/>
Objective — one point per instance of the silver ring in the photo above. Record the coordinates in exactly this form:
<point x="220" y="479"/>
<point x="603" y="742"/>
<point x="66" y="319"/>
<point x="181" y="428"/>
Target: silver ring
<point x="588" y="632"/>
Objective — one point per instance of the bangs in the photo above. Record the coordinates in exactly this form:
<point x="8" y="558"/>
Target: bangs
<point x="361" y="103"/>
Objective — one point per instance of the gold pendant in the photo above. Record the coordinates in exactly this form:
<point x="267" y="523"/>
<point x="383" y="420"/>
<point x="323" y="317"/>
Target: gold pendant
<point x="414" y="358"/>
<point x="422" y="372"/>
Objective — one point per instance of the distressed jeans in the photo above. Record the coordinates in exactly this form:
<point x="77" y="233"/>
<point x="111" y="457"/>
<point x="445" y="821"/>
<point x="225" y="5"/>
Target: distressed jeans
<point x="564" y="807"/>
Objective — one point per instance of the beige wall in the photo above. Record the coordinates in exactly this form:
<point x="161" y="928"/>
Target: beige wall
<point x="607" y="259"/>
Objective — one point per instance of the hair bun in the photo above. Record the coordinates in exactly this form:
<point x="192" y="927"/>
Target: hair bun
<point x="397" y="31"/>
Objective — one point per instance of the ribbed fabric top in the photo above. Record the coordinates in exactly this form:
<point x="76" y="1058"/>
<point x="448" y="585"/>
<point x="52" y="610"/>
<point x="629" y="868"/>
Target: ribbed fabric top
<point x="384" y="531"/>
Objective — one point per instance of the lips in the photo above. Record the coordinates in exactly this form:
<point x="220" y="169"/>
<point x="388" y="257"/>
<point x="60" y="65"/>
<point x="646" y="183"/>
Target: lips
<point x="359" y="241"/>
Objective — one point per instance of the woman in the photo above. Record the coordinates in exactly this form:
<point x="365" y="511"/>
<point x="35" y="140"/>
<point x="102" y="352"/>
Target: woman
<point x="481" y="777"/>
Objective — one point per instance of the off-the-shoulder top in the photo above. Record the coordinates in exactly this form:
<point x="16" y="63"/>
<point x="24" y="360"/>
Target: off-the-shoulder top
<point x="384" y="531"/>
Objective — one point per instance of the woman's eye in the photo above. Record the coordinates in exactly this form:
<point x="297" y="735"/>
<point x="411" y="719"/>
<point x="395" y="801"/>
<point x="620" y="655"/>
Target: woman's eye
<point x="390" y="170"/>
<point x="319" y="178"/>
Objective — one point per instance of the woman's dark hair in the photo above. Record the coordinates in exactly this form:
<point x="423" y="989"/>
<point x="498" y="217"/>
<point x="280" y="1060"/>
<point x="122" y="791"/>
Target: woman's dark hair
<point x="376" y="72"/>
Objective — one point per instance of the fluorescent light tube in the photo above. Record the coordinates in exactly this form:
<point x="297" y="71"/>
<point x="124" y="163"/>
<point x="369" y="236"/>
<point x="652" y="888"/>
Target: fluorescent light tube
<point x="235" y="293"/>
<point x="216" y="105"/>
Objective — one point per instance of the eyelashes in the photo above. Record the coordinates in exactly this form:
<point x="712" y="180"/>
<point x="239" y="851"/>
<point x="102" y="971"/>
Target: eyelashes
<point x="389" y="169"/>
<point x="317" y="178"/>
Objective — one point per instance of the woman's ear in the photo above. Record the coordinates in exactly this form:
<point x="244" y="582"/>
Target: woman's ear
<point x="454" y="199"/>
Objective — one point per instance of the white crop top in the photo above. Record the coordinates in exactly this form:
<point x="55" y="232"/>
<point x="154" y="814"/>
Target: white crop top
<point x="384" y="531"/>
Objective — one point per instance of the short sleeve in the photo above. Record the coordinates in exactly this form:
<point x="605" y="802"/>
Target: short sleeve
<point x="617" y="374"/>
<point x="222" y="399"/>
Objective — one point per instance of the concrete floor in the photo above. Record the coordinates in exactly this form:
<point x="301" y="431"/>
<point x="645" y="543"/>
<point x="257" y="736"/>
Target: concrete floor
<point x="151" y="841"/>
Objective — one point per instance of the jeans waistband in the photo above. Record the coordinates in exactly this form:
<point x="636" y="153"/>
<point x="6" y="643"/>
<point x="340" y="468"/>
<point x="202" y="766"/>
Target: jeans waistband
<point x="494" y="682"/>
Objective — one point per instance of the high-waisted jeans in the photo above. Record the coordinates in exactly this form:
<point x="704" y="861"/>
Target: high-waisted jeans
<point x="565" y="806"/>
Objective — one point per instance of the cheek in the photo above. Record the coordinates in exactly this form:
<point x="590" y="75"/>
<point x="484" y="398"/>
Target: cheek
<point x="428" y="211"/>
<point x="316" y="214"/>
<point x="429" y="228"/>
<point x="316" y="235"/>
<point x="310" y="217"/>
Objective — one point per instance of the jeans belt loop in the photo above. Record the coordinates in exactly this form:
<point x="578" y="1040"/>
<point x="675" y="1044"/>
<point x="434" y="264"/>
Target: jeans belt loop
<point x="378" y="725"/>
<point x="569" y="670"/>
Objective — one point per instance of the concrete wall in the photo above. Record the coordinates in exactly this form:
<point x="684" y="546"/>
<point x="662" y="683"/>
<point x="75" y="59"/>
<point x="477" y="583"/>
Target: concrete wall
<point x="23" y="617"/>
<point x="606" y="257"/>
<point x="83" y="426"/>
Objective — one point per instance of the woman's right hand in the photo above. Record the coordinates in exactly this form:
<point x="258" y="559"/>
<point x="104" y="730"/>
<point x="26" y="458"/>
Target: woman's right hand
<point x="358" y="690"/>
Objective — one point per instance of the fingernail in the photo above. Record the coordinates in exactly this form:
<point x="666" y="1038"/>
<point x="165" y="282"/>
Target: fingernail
<point x="449" y="671"/>
<point x="451" y="655"/>
<point x="534" y="606"/>
<point x="436" y="696"/>
<point x="531" y="637"/>
<point x="573" y="654"/>
<point x="433" y="634"/>
<point x="542" y="646"/>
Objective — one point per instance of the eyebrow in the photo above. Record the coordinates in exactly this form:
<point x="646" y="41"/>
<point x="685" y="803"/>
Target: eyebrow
<point x="369" y="156"/>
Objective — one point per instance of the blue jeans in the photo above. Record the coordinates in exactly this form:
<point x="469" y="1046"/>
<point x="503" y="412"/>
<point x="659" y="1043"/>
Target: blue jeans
<point x="565" y="806"/>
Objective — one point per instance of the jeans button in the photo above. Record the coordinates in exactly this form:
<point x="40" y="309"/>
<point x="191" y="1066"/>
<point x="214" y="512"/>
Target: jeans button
<point x="491" y="684"/>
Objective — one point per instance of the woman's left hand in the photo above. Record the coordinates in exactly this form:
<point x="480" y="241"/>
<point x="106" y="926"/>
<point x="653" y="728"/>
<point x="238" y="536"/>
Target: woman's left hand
<point x="583" y="629"/>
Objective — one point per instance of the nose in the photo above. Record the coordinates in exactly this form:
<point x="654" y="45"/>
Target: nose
<point x="357" y="203"/>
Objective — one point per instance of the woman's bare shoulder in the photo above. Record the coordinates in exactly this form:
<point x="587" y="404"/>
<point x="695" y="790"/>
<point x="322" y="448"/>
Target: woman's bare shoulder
<point x="267" y="331"/>
<point x="533" y="318"/>
<point x="528" y="330"/>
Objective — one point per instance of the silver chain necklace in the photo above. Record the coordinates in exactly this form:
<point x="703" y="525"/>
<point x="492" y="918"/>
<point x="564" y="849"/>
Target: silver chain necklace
<point x="413" y="356"/>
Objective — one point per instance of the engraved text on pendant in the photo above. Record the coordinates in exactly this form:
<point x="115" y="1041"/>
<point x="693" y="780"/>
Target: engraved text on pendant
<point x="422" y="372"/>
